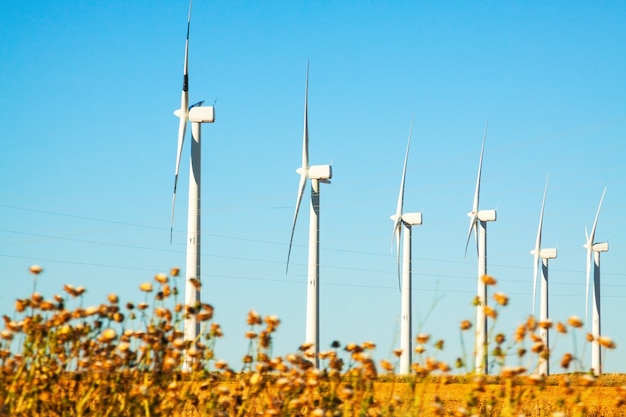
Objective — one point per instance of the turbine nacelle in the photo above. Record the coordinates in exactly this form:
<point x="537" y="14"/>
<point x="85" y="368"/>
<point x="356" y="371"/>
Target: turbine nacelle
<point x="321" y="173"/>
<point x="600" y="247"/>
<point x="483" y="215"/>
<point x="202" y="114"/>
<point x="548" y="253"/>
<point x="412" y="219"/>
<point x="409" y="219"/>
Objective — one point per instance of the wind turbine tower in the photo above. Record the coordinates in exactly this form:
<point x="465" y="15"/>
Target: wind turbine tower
<point x="196" y="114"/>
<point x="593" y="255"/>
<point x="478" y="224"/>
<point x="317" y="174"/>
<point x="405" y="221"/>
<point x="544" y="255"/>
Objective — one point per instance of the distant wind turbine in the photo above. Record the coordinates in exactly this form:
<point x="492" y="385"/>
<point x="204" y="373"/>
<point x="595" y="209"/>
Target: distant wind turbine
<point x="406" y="221"/>
<point x="544" y="255"/>
<point x="593" y="254"/>
<point x="478" y="224"/>
<point x="196" y="114"/>
<point x="317" y="174"/>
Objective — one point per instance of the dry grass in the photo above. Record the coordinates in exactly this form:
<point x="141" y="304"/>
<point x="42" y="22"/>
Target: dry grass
<point x="58" y="358"/>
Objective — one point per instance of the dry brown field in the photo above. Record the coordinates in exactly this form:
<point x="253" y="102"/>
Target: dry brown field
<point x="433" y="398"/>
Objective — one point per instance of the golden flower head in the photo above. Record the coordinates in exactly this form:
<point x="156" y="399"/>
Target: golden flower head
<point x="35" y="269"/>
<point x="305" y="346"/>
<point x="386" y="365"/>
<point x="108" y="335"/>
<point x="113" y="298"/>
<point x="537" y="347"/>
<point x="254" y="318"/>
<point x="350" y="347"/>
<point x="488" y="280"/>
<point x="560" y="327"/>
<point x="146" y="287"/>
<point x="606" y="342"/>
<point x="466" y="325"/>
<point x="369" y="345"/>
<point x="545" y="324"/>
<point x="397" y="352"/>
<point x="565" y="361"/>
<point x="161" y="278"/>
<point x="490" y="312"/>
<point x="575" y="322"/>
<point x="443" y="367"/>
<point x="501" y="298"/>
<point x="422" y="338"/>
<point x="175" y="271"/>
<point x="589" y="337"/>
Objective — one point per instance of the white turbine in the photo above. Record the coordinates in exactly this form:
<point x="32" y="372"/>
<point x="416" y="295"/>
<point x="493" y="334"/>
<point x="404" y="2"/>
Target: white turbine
<point x="478" y="224"/>
<point x="406" y="220"/>
<point x="196" y="114"/>
<point x="544" y="255"/>
<point x="593" y="254"/>
<point x="317" y="174"/>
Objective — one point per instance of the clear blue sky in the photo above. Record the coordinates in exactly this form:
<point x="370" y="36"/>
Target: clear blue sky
<point x="89" y="143"/>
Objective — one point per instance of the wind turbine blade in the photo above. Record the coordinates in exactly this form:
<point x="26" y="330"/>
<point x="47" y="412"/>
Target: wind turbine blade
<point x="183" y="114"/>
<point x="304" y="169"/>
<point x="589" y="255"/>
<point x="305" y="135"/>
<point x="480" y="168"/>
<point x="535" y="273"/>
<point x="595" y="222"/>
<point x="537" y="250"/>
<point x="589" y="245"/>
<point x="397" y="235"/>
<point x="472" y="226"/>
<point x="303" y="178"/>
<point x="474" y="214"/>
<point x="397" y="218"/>
<point x="406" y="158"/>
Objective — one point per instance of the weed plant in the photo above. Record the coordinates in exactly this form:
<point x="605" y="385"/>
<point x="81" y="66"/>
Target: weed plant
<point x="59" y="358"/>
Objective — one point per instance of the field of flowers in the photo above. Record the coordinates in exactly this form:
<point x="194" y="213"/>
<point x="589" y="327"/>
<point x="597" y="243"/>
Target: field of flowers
<point x="60" y="358"/>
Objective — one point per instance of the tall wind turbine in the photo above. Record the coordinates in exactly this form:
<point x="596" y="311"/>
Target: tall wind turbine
<point x="196" y="114"/>
<point x="544" y="255"/>
<point x="478" y="224"/>
<point x="406" y="221"/>
<point x="593" y="254"/>
<point x="317" y="174"/>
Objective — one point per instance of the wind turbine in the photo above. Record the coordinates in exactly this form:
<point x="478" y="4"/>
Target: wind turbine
<point x="544" y="255"/>
<point x="593" y="251"/>
<point x="406" y="221"/>
<point x="478" y="224"/>
<point x="317" y="174"/>
<point x="196" y="114"/>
